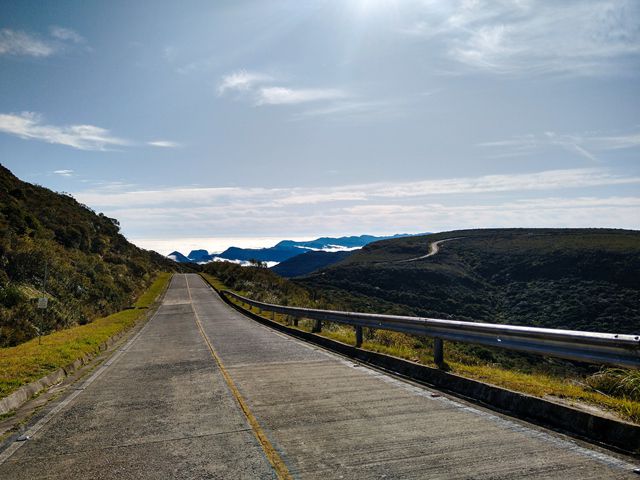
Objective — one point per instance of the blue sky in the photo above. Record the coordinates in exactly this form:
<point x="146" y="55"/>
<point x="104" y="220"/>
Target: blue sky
<point x="201" y="124"/>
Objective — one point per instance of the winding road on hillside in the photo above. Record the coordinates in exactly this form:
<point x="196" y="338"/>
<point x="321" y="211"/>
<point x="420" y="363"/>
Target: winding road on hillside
<point x="434" y="248"/>
<point x="204" y="392"/>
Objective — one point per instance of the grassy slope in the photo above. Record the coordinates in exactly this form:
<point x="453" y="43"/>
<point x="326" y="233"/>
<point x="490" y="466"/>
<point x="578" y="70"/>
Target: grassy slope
<point x="582" y="279"/>
<point x="91" y="269"/>
<point x="307" y="263"/>
<point x="34" y="359"/>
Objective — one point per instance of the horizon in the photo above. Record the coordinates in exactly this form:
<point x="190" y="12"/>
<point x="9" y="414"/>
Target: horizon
<point x="220" y="244"/>
<point x="239" y="123"/>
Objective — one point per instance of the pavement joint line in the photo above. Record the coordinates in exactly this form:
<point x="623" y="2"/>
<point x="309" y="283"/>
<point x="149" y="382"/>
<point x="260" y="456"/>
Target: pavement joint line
<point x="422" y="390"/>
<point x="272" y="455"/>
<point x="13" y="448"/>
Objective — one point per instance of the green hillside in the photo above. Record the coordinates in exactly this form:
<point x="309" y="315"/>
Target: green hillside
<point x="586" y="279"/>
<point x="92" y="270"/>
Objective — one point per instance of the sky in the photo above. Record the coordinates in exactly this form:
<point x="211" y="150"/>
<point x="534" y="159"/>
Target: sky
<point x="202" y="124"/>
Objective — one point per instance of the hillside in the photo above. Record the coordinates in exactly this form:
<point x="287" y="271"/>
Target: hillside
<point x="308" y="262"/>
<point x="587" y="279"/>
<point x="92" y="270"/>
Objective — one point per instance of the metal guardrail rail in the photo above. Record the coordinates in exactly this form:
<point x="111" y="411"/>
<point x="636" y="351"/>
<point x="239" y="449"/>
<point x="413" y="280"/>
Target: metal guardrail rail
<point x="591" y="347"/>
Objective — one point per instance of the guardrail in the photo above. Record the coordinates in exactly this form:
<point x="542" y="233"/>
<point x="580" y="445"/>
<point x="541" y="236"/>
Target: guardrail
<point x="591" y="347"/>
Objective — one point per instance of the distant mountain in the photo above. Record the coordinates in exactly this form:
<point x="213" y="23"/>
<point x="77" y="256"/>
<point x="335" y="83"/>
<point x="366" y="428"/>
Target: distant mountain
<point x="178" y="257"/>
<point x="283" y="250"/>
<point x="199" y="256"/>
<point x="287" y="249"/>
<point x="308" y="262"/>
<point x="336" y="244"/>
<point x="195" y="256"/>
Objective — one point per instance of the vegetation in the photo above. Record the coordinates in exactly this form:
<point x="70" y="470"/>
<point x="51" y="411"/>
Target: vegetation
<point x="89" y="268"/>
<point x="614" y="390"/>
<point x="36" y="358"/>
<point x="583" y="279"/>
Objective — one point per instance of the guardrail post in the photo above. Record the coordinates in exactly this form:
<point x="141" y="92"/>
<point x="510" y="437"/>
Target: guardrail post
<point x="438" y="351"/>
<point x="317" y="326"/>
<point x="273" y="315"/>
<point x="295" y="321"/>
<point x="358" y="336"/>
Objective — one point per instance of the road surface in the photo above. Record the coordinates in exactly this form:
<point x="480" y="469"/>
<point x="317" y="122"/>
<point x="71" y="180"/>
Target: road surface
<point x="434" y="247"/>
<point x="204" y="392"/>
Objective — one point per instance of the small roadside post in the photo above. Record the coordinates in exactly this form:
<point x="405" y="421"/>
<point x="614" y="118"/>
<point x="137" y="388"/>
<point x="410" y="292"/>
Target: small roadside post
<point x="43" y="303"/>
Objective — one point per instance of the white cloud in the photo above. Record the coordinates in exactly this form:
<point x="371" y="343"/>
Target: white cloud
<point x="288" y="96"/>
<point x="259" y="88"/>
<point x="16" y="43"/>
<point x="616" y="142"/>
<point x="66" y="34"/>
<point x="263" y="198"/>
<point x="553" y="198"/>
<point x="160" y="222"/>
<point x="529" y="37"/>
<point x="20" y="43"/>
<point x="163" y="144"/>
<point x="64" y="173"/>
<point x="241" y="81"/>
<point x="29" y="125"/>
<point x="349" y="109"/>
<point x="585" y="144"/>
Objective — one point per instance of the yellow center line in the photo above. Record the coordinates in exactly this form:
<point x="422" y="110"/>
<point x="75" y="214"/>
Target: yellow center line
<point x="272" y="455"/>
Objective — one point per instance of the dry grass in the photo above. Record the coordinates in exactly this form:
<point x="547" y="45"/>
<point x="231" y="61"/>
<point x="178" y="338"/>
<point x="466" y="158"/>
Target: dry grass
<point x="36" y="358"/>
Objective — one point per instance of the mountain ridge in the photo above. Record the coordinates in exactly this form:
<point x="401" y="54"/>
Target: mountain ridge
<point x="286" y="249"/>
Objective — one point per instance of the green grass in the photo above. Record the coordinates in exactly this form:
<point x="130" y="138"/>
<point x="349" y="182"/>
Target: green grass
<point x="156" y="288"/>
<point x="612" y="390"/>
<point x="36" y="358"/>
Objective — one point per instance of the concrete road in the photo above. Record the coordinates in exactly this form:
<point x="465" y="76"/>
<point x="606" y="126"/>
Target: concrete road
<point x="204" y="392"/>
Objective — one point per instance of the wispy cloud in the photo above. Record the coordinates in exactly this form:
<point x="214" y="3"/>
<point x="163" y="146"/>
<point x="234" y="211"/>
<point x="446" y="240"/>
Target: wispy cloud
<point x="66" y="34"/>
<point x="616" y="142"/>
<point x="288" y="96"/>
<point x="552" y="198"/>
<point x="29" y="125"/>
<point x="167" y="213"/>
<point x="241" y="81"/>
<point x="525" y="37"/>
<point x="163" y="144"/>
<point x="17" y="43"/>
<point x="262" y="90"/>
<point x="586" y="144"/>
<point x="346" y="109"/>
<point x="282" y="197"/>
<point x="64" y="173"/>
